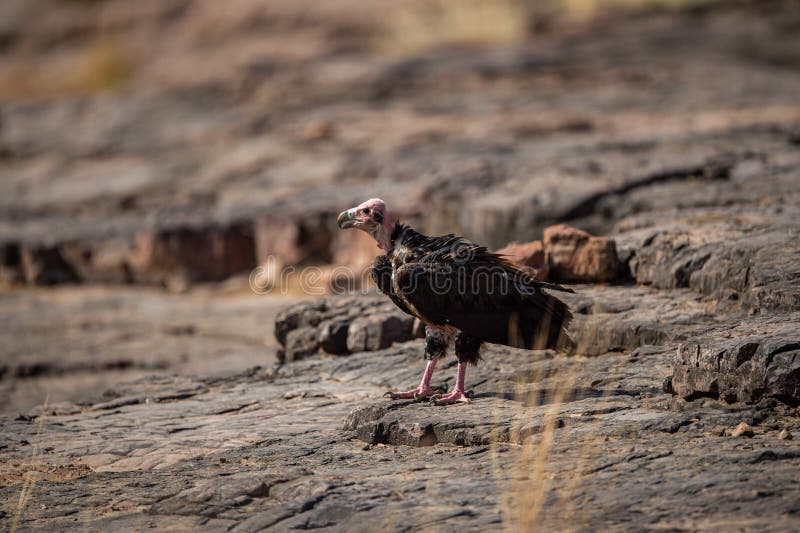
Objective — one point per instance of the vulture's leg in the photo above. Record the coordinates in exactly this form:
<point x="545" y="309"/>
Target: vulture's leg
<point x="435" y="347"/>
<point x="467" y="351"/>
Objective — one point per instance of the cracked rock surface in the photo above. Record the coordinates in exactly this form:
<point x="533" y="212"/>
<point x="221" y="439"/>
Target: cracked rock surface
<point x="310" y="445"/>
<point x="674" y="134"/>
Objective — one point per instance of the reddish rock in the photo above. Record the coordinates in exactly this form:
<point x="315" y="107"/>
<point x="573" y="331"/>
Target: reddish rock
<point x="529" y="255"/>
<point x="194" y="254"/>
<point x="318" y="130"/>
<point x="743" y="430"/>
<point x="306" y="241"/>
<point x="575" y="256"/>
<point x="276" y="240"/>
<point x="101" y="261"/>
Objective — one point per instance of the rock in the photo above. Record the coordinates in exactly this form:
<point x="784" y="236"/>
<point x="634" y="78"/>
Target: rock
<point x="103" y="261"/>
<point x="45" y="265"/>
<point x="195" y="253"/>
<point x="317" y="130"/>
<point x="742" y="430"/>
<point x="211" y="497"/>
<point x="738" y="264"/>
<point x="299" y="315"/>
<point x="743" y="369"/>
<point x="300" y="343"/>
<point x="333" y="335"/>
<point x="378" y="331"/>
<point x="10" y="264"/>
<point x="575" y="256"/>
<point x="686" y="166"/>
<point x="343" y="325"/>
<point x="291" y="241"/>
<point x="785" y="434"/>
<point x="529" y="254"/>
<point x="160" y="442"/>
<point x="276" y="240"/>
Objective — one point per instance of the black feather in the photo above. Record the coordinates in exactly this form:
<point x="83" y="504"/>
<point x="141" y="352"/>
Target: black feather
<point x="449" y="282"/>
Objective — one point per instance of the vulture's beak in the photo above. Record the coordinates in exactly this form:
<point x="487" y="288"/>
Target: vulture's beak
<point x="345" y="219"/>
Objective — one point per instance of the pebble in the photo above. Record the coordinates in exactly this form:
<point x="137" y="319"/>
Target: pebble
<point x="785" y="434"/>
<point x="742" y="430"/>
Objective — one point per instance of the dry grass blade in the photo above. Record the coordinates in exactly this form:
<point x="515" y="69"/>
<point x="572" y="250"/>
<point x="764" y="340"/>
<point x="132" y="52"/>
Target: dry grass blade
<point x="525" y="485"/>
<point x="30" y="479"/>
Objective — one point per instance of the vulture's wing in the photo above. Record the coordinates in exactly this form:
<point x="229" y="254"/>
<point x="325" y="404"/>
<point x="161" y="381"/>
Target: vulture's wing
<point x="382" y="276"/>
<point x="484" y="296"/>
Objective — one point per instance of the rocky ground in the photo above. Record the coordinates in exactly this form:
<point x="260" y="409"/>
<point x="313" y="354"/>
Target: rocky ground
<point x="176" y="145"/>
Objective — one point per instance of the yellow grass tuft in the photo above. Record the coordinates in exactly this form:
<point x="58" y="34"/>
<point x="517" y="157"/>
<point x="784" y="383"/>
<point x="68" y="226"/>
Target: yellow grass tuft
<point x="103" y="65"/>
<point x="424" y="25"/>
<point x="589" y="8"/>
<point x="417" y="26"/>
<point x="107" y="66"/>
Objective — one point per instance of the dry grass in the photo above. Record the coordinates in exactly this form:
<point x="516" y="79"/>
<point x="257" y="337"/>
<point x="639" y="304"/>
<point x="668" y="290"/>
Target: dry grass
<point x="30" y="477"/>
<point x="420" y="25"/>
<point x="590" y="8"/>
<point x="528" y="485"/>
<point x="108" y="66"/>
<point x="102" y="66"/>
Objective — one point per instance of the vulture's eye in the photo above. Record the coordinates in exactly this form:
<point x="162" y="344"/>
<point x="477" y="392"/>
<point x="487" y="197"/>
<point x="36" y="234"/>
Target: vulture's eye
<point x="365" y="211"/>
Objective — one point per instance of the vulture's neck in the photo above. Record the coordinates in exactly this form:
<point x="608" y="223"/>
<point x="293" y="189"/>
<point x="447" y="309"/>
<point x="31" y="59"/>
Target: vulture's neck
<point x="383" y="234"/>
<point x="396" y="234"/>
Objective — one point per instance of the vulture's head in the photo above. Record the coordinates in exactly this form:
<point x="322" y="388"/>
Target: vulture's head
<point x="370" y="216"/>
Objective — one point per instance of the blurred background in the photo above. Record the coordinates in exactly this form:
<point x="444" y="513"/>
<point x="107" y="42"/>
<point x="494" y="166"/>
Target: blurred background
<point x="153" y="153"/>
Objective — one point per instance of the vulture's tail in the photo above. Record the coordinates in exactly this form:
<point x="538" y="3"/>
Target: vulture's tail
<point x="541" y="324"/>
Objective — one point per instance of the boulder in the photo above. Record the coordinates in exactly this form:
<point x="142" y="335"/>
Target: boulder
<point x="300" y="343"/>
<point x="333" y="335"/>
<point x="529" y="255"/>
<point x="740" y="370"/>
<point x="306" y="240"/>
<point x="733" y="263"/>
<point x="342" y="324"/>
<point x="576" y="256"/>
<point x="210" y="253"/>
<point x="379" y="331"/>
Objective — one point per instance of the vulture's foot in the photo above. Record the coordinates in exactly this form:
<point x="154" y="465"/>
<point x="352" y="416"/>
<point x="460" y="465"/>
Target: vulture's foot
<point x="418" y="394"/>
<point x="457" y="396"/>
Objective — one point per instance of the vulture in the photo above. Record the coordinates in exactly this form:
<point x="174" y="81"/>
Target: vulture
<point x="462" y="292"/>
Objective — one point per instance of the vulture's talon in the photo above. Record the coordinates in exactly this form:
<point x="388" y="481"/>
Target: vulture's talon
<point x="388" y="394"/>
<point x="452" y="398"/>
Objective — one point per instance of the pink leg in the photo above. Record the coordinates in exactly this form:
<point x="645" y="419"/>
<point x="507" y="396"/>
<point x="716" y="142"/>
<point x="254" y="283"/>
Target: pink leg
<point x="424" y="390"/>
<point x="457" y="394"/>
